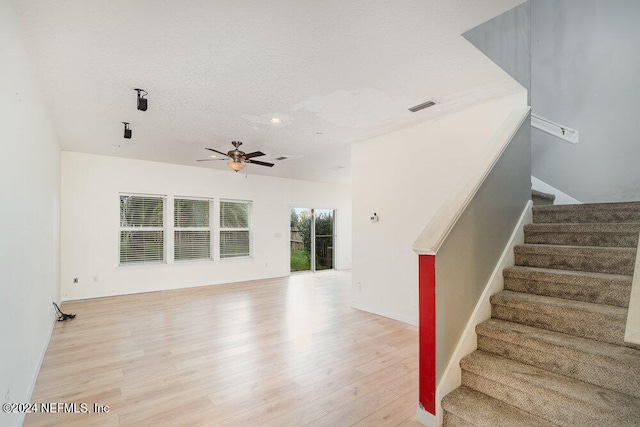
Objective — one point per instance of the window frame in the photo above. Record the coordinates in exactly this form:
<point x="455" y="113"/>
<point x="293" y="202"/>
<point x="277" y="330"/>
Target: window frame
<point x="248" y="229"/>
<point x="142" y="228"/>
<point x="210" y="229"/>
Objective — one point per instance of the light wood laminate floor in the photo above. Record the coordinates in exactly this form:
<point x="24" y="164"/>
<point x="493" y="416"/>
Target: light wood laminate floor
<point x="278" y="352"/>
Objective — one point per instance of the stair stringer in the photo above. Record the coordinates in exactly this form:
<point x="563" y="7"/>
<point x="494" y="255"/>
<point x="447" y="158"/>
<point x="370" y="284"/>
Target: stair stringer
<point x="632" y="332"/>
<point x="452" y="376"/>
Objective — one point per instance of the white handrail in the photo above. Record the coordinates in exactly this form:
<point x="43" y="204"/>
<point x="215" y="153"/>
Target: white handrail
<point x="555" y="129"/>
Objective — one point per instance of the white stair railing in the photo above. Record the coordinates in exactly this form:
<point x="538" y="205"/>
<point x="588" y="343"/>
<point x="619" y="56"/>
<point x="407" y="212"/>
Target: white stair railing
<point x="555" y="129"/>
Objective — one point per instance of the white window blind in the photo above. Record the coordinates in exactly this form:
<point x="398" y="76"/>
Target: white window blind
<point x="192" y="229"/>
<point x="235" y="229"/>
<point x="141" y="229"/>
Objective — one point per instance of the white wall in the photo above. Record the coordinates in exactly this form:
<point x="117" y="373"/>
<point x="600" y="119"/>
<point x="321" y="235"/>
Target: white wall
<point x="405" y="177"/>
<point x="30" y="215"/>
<point x="90" y="221"/>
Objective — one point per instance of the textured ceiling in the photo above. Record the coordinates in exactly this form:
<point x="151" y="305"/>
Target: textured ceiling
<point x="335" y="72"/>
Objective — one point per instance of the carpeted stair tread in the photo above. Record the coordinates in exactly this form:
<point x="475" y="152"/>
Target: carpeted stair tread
<point x="540" y="198"/>
<point x="466" y="407"/>
<point x="588" y="212"/>
<point x="556" y="398"/>
<point x="583" y="234"/>
<point x="595" y="321"/>
<point x="581" y="258"/>
<point x="601" y="288"/>
<point x="610" y="366"/>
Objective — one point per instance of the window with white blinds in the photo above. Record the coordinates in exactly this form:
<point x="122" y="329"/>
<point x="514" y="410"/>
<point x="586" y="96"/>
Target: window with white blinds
<point x="235" y="228"/>
<point x="192" y="229"/>
<point x="142" y="229"/>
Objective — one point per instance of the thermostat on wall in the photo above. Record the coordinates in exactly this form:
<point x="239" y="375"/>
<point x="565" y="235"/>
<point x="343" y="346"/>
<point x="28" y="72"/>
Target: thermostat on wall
<point x="374" y="217"/>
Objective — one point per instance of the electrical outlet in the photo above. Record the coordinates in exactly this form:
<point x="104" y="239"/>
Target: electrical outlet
<point x="75" y="280"/>
<point x="95" y="279"/>
<point x="359" y="287"/>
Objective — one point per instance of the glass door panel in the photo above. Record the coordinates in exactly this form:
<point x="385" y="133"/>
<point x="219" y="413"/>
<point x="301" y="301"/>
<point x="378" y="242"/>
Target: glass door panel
<point x="301" y="226"/>
<point x="324" y="220"/>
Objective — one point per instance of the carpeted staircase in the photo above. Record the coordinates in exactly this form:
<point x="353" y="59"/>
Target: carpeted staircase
<point x="553" y="352"/>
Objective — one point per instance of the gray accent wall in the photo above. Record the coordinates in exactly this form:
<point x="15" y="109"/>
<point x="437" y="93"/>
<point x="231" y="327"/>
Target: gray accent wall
<point x="505" y="40"/>
<point x="585" y="74"/>
<point x="468" y="256"/>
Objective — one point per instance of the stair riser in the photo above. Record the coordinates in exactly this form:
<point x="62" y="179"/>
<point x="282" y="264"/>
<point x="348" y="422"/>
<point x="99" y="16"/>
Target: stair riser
<point x="541" y="201"/>
<point x="610" y="240"/>
<point x="620" y="263"/>
<point x="586" y="325"/>
<point x="565" y="362"/>
<point x="466" y="407"/>
<point x="587" y="216"/>
<point x="599" y="293"/>
<point x="538" y="402"/>
<point x="450" y="420"/>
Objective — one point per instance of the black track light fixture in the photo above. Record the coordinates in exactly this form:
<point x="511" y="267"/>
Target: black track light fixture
<point x="127" y="131"/>
<point x="142" y="101"/>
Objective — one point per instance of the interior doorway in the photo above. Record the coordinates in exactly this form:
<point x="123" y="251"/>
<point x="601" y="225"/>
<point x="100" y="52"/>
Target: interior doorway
<point x="312" y="239"/>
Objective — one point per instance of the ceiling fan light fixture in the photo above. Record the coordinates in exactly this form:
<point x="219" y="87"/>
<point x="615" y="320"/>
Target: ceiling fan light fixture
<point x="238" y="159"/>
<point x="236" y="166"/>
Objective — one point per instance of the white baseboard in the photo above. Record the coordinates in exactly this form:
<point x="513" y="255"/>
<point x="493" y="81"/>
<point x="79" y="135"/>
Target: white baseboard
<point x="425" y="418"/>
<point x="382" y="313"/>
<point x="451" y="378"/>
<point x="32" y="386"/>
<point x="632" y="330"/>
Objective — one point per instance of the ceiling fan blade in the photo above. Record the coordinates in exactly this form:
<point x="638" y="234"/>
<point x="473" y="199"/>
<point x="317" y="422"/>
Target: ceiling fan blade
<point x="211" y="160"/>
<point x="257" y="162"/>
<point x="254" y="154"/>
<point x="216" y="151"/>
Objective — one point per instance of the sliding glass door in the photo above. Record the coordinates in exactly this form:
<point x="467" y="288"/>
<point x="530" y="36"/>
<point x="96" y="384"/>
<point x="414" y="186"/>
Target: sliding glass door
<point x="312" y="239"/>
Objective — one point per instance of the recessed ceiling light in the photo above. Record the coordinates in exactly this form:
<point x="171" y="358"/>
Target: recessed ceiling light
<point x="275" y="120"/>
<point x="213" y="156"/>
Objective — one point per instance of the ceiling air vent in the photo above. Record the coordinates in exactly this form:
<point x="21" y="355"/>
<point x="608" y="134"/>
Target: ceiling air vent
<point x="422" y="106"/>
